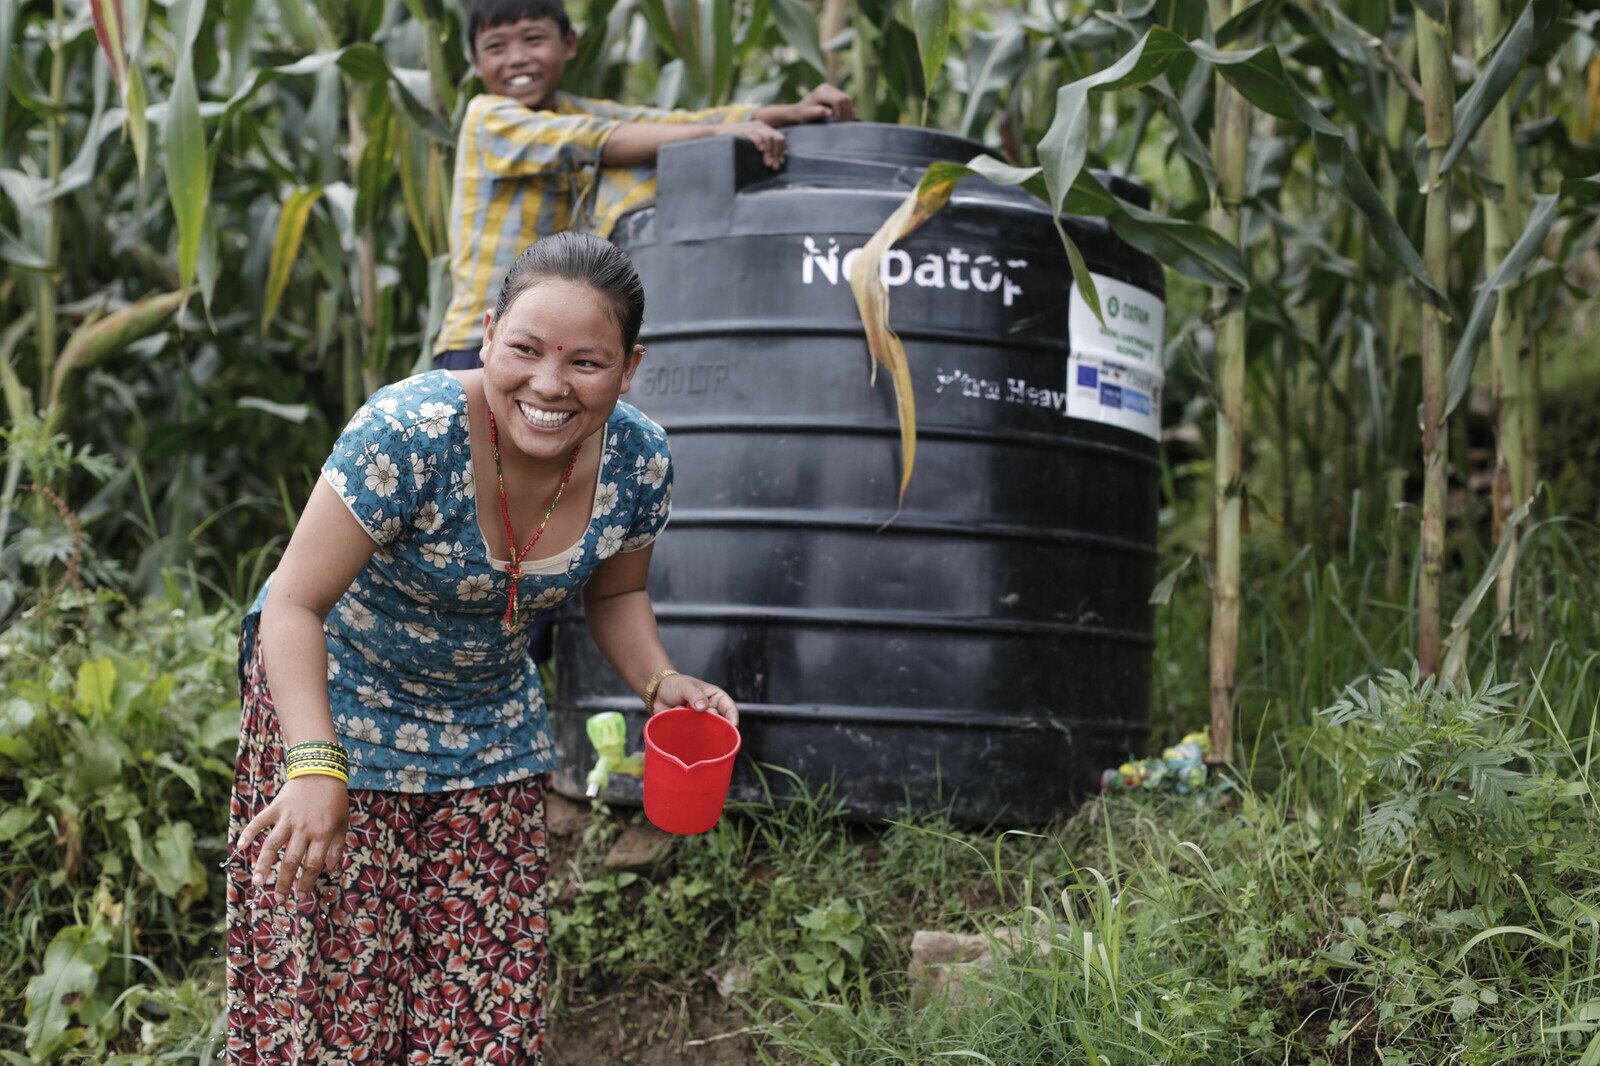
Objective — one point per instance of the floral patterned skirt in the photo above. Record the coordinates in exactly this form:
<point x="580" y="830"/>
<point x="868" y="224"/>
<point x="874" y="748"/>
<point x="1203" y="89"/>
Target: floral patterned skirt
<point x="428" y="948"/>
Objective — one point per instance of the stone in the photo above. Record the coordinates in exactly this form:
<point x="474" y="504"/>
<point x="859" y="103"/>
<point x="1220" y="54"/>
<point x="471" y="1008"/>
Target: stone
<point x="640" y="847"/>
<point x="943" y="965"/>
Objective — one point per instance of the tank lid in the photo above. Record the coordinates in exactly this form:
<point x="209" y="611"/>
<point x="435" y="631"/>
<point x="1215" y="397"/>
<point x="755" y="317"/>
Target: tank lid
<point x="913" y="146"/>
<point x="879" y="142"/>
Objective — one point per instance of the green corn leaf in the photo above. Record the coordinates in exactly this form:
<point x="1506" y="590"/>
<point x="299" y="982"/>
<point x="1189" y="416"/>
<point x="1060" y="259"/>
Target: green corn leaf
<point x="183" y="138"/>
<point x="1065" y="146"/>
<point x="365" y="63"/>
<point x="1584" y="191"/>
<point x="286" y="247"/>
<point x="414" y="164"/>
<point x="1454" y="669"/>
<point x="110" y="28"/>
<point x="8" y="25"/>
<point x="1259" y="76"/>
<point x="931" y="19"/>
<point x="1249" y="23"/>
<point x="81" y="171"/>
<point x="991" y="63"/>
<point x="1486" y="297"/>
<point x="376" y="165"/>
<point x="798" y="25"/>
<point x="71" y="971"/>
<point x="1355" y="185"/>
<point x="1519" y="42"/>
<point x="901" y="69"/>
<point x="687" y="26"/>
<point x="1191" y="249"/>
<point x="15" y="251"/>
<point x="1161" y="595"/>
<point x="592" y="42"/>
<point x="1437" y="10"/>
<point x="136" y="100"/>
<point x="661" y="28"/>
<point x="438" y="302"/>
<point x="95" y="341"/>
<point x="720" y="60"/>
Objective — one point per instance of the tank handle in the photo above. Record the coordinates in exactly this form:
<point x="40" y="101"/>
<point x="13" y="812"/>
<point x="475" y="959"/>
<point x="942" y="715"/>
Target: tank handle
<point x="696" y="182"/>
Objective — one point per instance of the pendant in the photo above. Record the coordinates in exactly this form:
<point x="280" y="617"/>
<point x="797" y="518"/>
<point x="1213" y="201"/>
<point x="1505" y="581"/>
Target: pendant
<point x="509" y="622"/>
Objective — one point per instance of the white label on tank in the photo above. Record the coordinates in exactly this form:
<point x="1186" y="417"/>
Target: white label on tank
<point x="1114" y="372"/>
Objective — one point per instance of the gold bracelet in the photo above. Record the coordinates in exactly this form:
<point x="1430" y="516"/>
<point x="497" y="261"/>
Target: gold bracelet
<point x="307" y="771"/>
<point x="653" y="686"/>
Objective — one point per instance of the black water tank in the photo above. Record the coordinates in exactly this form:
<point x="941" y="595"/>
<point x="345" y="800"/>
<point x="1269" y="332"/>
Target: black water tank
<point x="989" y="651"/>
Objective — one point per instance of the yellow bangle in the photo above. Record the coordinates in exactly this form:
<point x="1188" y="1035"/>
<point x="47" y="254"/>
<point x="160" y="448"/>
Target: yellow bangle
<point x="653" y="686"/>
<point x="307" y="771"/>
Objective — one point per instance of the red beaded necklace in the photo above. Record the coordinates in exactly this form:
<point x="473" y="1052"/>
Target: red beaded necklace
<point x="514" y="567"/>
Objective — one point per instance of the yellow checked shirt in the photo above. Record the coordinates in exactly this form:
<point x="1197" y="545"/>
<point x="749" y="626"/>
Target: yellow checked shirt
<point x="521" y="174"/>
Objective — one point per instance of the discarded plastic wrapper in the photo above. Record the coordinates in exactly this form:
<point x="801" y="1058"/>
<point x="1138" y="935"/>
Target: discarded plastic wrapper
<point x="1181" y="769"/>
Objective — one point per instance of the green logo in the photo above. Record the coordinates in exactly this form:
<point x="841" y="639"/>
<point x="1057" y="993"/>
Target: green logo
<point x="1113" y="306"/>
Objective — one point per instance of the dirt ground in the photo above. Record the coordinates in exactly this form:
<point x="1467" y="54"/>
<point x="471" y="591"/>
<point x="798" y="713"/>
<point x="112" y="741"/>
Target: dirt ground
<point x="641" y="1025"/>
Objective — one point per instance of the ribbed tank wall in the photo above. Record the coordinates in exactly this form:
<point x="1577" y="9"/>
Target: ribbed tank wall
<point x="987" y="651"/>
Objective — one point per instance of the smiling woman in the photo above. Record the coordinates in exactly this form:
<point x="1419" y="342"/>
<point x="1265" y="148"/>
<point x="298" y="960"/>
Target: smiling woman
<point x="395" y="744"/>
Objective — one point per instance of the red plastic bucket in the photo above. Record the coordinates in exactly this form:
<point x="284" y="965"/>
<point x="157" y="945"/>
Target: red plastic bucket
<point x="688" y="761"/>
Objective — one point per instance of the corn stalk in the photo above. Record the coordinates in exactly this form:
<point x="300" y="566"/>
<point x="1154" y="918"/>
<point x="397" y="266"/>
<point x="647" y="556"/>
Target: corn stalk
<point x="1438" y="103"/>
<point x="45" y="283"/>
<point x="1502" y="219"/>
<point x="1396" y="104"/>
<point x="1230" y="142"/>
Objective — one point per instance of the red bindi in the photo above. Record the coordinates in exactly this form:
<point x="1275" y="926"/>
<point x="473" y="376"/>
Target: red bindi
<point x="559" y="348"/>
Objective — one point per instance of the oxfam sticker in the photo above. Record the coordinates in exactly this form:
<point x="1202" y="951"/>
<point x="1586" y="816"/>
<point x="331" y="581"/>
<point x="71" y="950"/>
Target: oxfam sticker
<point x="1115" y="373"/>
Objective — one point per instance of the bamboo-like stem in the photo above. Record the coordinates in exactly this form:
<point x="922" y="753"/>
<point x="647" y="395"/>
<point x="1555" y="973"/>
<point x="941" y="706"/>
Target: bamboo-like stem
<point x="1502" y="221"/>
<point x="835" y="16"/>
<point x="444" y="90"/>
<point x="364" y="376"/>
<point x="864" y="75"/>
<point x="1285" y="422"/>
<point x="1230" y="146"/>
<point x="1395" y="307"/>
<point x="45" y="341"/>
<point x="1438" y="91"/>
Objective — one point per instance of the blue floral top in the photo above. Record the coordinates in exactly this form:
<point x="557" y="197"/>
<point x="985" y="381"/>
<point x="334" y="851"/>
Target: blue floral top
<point x="428" y="691"/>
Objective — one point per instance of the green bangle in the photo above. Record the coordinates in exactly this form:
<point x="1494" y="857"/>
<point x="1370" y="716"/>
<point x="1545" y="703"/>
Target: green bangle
<point x="319" y="745"/>
<point x="304" y="760"/>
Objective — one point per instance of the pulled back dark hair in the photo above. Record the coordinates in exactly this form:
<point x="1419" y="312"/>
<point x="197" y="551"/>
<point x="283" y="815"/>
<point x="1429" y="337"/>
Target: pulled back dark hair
<point x="485" y="14"/>
<point x="587" y="260"/>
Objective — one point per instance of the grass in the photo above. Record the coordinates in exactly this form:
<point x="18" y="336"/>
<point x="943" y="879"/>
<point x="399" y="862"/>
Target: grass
<point x="1400" y="874"/>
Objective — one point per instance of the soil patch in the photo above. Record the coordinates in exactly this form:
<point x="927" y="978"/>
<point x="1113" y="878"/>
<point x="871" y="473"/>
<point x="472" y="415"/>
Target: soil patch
<point x="649" y="1027"/>
<point x="640" y="1024"/>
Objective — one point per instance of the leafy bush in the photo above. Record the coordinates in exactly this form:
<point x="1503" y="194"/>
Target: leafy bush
<point x="117" y="736"/>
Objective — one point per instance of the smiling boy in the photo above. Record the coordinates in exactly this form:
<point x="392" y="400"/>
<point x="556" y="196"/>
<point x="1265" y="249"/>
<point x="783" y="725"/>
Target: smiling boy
<point x="533" y="160"/>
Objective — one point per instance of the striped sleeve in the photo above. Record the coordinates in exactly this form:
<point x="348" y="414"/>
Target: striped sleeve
<point x="517" y="142"/>
<point x="626" y="113"/>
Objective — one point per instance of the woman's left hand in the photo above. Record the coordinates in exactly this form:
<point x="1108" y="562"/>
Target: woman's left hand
<point x="681" y="690"/>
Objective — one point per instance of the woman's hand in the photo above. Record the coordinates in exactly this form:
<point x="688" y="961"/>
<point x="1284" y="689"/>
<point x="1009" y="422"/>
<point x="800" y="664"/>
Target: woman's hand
<point x="308" y="822"/>
<point x="681" y="690"/>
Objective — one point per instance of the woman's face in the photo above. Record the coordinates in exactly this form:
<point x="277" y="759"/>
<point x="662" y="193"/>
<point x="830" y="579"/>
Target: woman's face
<point x="553" y="367"/>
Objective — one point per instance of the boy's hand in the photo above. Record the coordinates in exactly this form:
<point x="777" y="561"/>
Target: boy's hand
<point x="767" y="140"/>
<point x="832" y="101"/>
<point x="822" y="104"/>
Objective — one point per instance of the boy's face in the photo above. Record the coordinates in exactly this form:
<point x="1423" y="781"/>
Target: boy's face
<point x="524" y="60"/>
